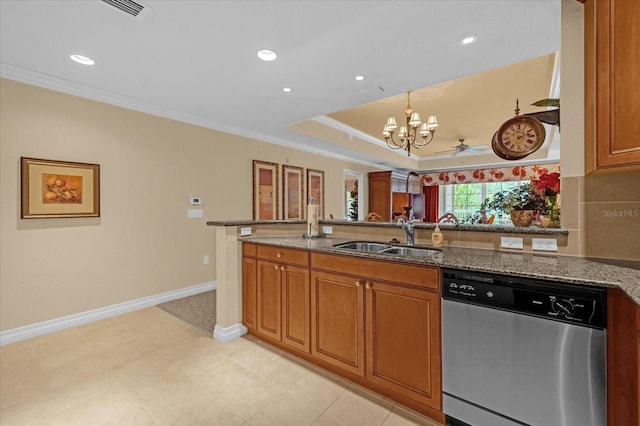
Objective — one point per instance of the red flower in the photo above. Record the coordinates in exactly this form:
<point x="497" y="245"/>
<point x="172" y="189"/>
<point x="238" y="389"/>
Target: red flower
<point x="547" y="184"/>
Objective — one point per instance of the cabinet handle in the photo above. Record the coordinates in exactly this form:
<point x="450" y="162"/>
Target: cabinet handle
<point x="367" y="286"/>
<point x="275" y="267"/>
<point x="279" y="255"/>
<point x="358" y="283"/>
<point x="282" y="268"/>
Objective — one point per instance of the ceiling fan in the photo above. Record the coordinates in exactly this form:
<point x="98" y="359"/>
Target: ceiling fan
<point x="462" y="147"/>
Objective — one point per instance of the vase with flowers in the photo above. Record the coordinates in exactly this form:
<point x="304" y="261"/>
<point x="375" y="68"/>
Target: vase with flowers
<point x="547" y="185"/>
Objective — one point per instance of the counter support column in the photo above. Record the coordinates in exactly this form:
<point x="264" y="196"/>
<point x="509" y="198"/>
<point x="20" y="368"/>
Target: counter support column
<point x="229" y="279"/>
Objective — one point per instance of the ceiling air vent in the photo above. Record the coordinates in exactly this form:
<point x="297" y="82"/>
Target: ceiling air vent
<point x="130" y="7"/>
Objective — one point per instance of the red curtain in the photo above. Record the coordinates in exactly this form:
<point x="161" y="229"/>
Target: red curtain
<point x="431" y="195"/>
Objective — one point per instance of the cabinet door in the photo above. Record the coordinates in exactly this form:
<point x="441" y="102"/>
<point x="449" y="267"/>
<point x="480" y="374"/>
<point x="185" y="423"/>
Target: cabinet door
<point x="268" y="294"/>
<point x="612" y="97"/>
<point x="296" y="299"/>
<point x="403" y="341"/>
<point x="249" y="301"/>
<point x="380" y="194"/>
<point x="337" y="321"/>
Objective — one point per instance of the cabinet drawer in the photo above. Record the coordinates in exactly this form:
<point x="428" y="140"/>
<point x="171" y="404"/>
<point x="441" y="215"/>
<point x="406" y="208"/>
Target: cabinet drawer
<point x="284" y="255"/>
<point x="249" y="249"/>
<point x="422" y="276"/>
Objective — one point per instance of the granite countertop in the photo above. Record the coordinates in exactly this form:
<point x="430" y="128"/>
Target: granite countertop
<point x="569" y="269"/>
<point x="502" y="229"/>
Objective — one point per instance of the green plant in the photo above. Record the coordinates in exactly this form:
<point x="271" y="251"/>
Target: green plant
<point x="522" y="197"/>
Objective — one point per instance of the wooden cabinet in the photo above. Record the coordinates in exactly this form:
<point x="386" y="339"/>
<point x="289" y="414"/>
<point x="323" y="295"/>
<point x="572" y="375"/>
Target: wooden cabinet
<point x="612" y="85"/>
<point x="387" y="193"/>
<point x="269" y="301"/>
<point x="249" y="296"/>
<point x="278" y="298"/>
<point x="337" y="321"/>
<point x="403" y="341"/>
<point x="380" y="194"/>
<point x="374" y="322"/>
<point x="360" y="300"/>
<point x="623" y="359"/>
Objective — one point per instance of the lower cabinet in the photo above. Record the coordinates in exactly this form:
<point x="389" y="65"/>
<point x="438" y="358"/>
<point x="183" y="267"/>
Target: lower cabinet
<point x="276" y="294"/>
<point x="623" y="359"/>
<point x="403" y="341"/>
<point x="337" y="321"/>
<point x="377" y="322"/>
<point x="400" y="325"/>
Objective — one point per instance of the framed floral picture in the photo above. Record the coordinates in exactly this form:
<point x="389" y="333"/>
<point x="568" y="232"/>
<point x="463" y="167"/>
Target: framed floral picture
<point x="53" y="189"/>
<point x="265" y="190"/>
<point x="292" y="192"/>
<point x="315" y="189"/>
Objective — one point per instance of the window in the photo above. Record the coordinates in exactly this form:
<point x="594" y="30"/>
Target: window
<point x="464" y="200"/>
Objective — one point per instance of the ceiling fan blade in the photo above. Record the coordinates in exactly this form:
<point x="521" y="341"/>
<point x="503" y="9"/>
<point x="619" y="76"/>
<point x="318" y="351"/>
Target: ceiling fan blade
<point x="445" y="152"/>
<point x="478" y="148"/>
<point x="457" y="151"/>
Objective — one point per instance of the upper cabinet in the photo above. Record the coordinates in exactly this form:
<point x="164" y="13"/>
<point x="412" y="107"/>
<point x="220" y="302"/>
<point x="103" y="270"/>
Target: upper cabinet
<point x="612" y="86"/>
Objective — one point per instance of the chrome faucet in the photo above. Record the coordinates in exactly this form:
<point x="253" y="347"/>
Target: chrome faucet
<point x="408" y="227"/>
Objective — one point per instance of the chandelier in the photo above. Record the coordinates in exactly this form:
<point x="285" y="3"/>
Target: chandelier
<point x="407" y="136"/>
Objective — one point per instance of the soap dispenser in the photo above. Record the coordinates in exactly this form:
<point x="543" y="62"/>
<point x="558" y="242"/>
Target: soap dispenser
<point x="437" y="237"/>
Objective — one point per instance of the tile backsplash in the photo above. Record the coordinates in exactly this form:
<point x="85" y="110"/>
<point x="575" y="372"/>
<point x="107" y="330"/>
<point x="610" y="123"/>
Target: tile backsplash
<point x="610" y="216"/>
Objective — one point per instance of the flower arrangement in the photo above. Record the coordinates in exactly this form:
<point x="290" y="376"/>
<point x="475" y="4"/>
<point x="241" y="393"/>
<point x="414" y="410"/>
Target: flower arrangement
<point x="548" y="186"/>
<point x="522" y="197"/>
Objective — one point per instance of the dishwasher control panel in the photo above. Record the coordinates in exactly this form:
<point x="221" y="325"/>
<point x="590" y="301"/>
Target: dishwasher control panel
<point x="547" y="299"/>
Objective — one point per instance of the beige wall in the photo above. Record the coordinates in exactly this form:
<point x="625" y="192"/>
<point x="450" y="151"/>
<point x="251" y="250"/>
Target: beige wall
<point x="143" y="244"/>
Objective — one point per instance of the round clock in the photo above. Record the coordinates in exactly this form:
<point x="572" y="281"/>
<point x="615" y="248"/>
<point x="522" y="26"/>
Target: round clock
<point x="518" y="137"/>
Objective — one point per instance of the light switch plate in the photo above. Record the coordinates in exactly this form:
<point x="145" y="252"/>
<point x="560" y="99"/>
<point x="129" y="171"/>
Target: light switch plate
<point x="327" y="230"/>
<point x="511" y="243"/>
<point x="191" y="213"/>
<point x="245" y="231"/>
<point x="544" y="244"/>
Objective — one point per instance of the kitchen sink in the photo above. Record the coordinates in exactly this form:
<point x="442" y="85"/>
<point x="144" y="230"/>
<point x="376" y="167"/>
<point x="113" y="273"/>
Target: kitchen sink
<point x="382" y="248"/>
<point x="364" y="246"/>
<point x="411" y="251"/>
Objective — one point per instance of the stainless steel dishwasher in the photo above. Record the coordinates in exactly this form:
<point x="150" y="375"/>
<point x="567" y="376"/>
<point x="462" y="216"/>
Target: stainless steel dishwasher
<point x="520" y="351"/>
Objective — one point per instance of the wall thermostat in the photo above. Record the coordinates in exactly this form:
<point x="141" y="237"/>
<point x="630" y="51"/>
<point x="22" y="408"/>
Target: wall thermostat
<point x="195" y="201"/>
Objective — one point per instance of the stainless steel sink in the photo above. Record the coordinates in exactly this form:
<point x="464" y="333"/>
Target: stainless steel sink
<point x="382" y="248"/>
<point x="364" y="246"/>
<point x="411" y="251"/>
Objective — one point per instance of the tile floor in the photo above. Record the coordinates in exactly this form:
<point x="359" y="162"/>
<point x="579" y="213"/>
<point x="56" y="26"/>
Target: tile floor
<point x="149" y="368"/>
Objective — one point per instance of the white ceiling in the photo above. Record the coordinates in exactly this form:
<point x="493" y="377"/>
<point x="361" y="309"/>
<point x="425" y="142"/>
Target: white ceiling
<point x="195" y="61"/>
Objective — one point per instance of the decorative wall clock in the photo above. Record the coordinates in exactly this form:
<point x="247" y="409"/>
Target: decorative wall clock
<point x="518" y="137"/>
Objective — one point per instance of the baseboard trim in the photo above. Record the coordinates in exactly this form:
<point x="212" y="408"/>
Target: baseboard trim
<point x="227" y="334"/>
<point x="57" y="324"/>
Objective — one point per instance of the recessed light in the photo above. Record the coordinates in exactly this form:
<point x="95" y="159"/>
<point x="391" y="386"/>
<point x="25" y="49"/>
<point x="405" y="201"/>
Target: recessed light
<point x="82" y="59"/>
<point x="286" y="89"/>
<point x="360" y="77"/>
<point x="267" y="55"/>
<point x="470" y="39"/>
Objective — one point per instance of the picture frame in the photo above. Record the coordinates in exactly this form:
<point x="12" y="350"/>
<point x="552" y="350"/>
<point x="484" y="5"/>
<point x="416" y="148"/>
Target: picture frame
<point x="265" y="190"/>
<point x="57" y="189"/>
<point x="293" y="204"/>
<point x="315" y="189"/>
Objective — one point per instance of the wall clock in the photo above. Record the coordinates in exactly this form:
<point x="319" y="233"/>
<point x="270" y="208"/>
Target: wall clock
<point x="518" y="137"/>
